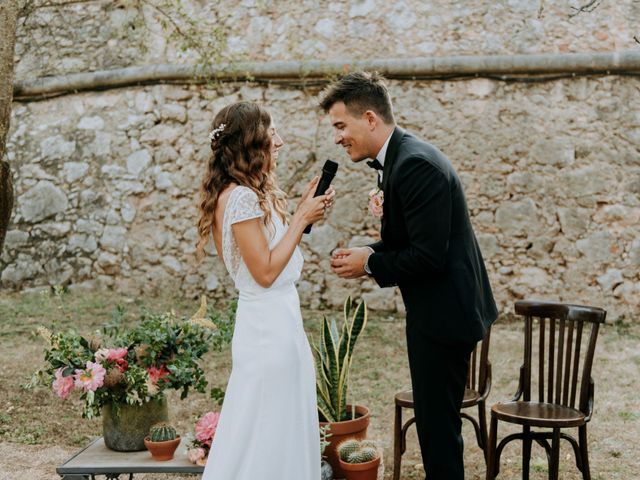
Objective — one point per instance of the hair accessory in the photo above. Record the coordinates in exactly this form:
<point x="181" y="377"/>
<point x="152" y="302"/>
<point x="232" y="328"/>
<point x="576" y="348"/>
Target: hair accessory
<point x="215" y="133"/>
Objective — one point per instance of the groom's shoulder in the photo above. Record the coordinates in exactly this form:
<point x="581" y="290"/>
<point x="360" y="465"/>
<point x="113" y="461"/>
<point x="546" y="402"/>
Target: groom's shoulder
<point x="413" y="147"/>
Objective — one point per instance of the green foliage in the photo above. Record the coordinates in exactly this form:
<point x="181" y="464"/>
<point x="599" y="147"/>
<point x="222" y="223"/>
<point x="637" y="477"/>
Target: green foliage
<point x="162" y="432"/>
<point x="324" y="435"/>
<point x="334" y="354"/>
<point x="162" y="351"/>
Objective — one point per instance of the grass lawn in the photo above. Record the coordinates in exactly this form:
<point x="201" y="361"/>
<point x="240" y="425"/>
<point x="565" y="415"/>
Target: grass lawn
<point x="39" y="431"/>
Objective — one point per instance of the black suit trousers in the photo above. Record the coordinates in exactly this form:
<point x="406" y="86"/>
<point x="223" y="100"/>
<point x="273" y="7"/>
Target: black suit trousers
<point x="438" y="376"/>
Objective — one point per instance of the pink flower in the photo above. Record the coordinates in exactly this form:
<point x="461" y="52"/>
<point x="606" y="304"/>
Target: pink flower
<point x="206" y="427"/>
<point x="157" y="374"/>
<point x="117" y="353"/>
<point x="91" y="378"/>
<point x="376" y="199"/>
<point x="112" y="354"/>
<point x="196" y="455"/>
<point x="62" y="385"/>
<point x="122" y="364"/>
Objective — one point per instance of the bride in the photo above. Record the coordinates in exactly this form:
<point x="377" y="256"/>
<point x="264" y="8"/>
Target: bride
<point x="268" y="426"/>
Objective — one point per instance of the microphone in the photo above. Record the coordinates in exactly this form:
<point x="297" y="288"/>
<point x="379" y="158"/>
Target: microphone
<point x="328" y="172"/>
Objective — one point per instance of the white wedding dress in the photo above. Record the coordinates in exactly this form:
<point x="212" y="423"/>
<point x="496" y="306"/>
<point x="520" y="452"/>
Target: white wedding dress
<point x="268" y="428"/>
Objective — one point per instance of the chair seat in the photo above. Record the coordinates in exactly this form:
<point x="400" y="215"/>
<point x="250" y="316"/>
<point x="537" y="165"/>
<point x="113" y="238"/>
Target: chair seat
<point x="405" y="399"/>
<point x="538" y="414"/>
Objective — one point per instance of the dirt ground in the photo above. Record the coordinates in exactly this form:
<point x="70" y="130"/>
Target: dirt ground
<point x="38" y="431"/>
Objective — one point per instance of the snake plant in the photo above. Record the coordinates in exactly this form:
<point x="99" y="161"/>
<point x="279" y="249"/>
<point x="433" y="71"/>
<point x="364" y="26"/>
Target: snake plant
<point x="334" y="353"/>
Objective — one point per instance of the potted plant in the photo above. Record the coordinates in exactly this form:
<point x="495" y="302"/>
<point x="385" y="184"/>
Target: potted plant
<point x="326" y="472"/>
<point x="123" y="373"/>
<point x="359" y="460"/>
<point x="334" y="354"/>
<point x="162" y="441"/>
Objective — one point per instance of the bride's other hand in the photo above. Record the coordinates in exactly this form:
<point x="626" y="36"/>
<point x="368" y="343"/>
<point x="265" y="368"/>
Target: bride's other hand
<point x="312" y="209"/>
<point x="310" y="188"/>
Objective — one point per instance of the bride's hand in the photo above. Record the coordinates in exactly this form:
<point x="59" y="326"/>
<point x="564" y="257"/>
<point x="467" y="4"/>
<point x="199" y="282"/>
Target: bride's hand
<point x="311" y="209"/>
<point x="310" y="188"/>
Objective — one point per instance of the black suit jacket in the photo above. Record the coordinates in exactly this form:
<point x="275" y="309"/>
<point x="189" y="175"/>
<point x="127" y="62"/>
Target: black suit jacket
<point x="428" y="248"/>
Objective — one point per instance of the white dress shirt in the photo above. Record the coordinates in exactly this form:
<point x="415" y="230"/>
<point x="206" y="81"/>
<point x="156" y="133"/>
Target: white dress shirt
<point x="382" y="154"/>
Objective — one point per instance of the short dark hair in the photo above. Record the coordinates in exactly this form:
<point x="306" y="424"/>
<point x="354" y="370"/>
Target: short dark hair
<point x="360" y="91"/>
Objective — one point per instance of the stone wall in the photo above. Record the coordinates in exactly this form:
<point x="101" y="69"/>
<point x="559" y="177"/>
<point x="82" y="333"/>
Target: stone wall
<point x="107" y="182"/>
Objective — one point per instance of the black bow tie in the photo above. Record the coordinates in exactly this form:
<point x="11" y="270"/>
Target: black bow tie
<point x="375" y="164"/>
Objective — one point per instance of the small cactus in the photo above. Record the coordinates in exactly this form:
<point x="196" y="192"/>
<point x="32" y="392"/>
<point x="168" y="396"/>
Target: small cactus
<point x="347" y="447"/>
<point x="356" y="451"/>
<point x="162" y="432"/>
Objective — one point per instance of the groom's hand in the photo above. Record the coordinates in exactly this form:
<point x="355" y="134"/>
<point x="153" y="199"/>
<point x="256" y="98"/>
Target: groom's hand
<point x="349" y="262"/>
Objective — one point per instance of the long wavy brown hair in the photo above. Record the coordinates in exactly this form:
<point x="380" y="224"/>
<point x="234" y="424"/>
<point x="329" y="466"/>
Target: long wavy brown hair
<point x="240" y="153"/>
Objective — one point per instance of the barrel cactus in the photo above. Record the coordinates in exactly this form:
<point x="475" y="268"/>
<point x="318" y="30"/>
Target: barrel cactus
<point x="356" y="451"/>
<point x="162" y="433"/>
<point x="347" y="447"/>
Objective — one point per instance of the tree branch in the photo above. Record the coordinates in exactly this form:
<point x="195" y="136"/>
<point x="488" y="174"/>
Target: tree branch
<point x="587" y="7"/>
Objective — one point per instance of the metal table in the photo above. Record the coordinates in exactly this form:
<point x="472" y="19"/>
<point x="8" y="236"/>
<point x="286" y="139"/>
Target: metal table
<point x="97" y="459"/>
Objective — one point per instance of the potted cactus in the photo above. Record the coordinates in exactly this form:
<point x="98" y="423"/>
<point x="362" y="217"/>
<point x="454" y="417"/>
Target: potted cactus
<point x="359" y="460"/>
<point x="162" y="441"/>
<point x="334" y="353"/>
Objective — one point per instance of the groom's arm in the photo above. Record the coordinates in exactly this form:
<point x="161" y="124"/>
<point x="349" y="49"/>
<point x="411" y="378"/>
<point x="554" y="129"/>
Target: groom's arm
<point x="377" y="246"/>
<point x="425" y="197"/>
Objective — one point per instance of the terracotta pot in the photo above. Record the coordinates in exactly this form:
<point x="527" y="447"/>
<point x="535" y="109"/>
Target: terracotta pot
<point x="361" y="471"/>
<point x="125" y="427"/>
<point x="162" y="451"/>
<point x="340" y="431"/>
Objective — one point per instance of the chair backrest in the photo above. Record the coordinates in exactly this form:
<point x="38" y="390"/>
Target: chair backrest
<point x="479" y="375"/>
<point x="557" y="364"/>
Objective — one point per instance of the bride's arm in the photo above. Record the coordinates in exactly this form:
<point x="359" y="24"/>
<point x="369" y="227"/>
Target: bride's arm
<point x="266" y="265"/>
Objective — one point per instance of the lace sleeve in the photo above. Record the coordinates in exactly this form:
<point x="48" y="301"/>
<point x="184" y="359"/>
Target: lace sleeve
<point x="245" y="206"/>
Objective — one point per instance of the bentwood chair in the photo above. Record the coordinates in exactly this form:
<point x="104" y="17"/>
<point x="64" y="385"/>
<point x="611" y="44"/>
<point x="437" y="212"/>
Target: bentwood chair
<point x="476" y="392"/>
<point x="557" y="366"/>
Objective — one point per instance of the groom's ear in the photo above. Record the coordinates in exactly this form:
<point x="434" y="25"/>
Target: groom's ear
<point x="372" y="119"/>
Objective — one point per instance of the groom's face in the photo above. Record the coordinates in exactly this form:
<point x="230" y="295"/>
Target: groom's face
<point x="352" y="132"/>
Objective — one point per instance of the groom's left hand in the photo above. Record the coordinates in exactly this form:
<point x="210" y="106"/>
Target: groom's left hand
<point x="349" y="262"/>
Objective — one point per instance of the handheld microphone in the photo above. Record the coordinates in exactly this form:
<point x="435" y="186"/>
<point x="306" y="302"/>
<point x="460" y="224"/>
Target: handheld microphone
<point x="328" y="172"/>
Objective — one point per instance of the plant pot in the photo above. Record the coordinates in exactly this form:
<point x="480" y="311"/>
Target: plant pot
<point x="162" y="451"/>
<point x="361" y="471"/>
<point x="340" y="431"/>
<point x="326" y="472"/>
<point x="125" y="427"/>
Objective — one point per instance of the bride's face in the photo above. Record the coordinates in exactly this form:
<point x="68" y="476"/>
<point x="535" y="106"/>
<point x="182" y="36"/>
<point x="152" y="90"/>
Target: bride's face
<point x="276" y="143"/>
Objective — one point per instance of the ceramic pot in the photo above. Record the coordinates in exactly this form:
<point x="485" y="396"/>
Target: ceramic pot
<point x="361" y="471"/>
<point x="341" y="431"/>
<point x="326" y="472"/>
<point x="162" y="451"/>
<point x="125" y="426"/>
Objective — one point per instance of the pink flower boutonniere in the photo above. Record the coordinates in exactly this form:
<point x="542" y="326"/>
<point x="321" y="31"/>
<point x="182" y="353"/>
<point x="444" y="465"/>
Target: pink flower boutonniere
<point x="376" y="199"/>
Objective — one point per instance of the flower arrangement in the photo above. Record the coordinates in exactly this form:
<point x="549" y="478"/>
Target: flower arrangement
<point x="131" y="367"/>
<point x="205" y="431"/>
<point x="376" y="200"/>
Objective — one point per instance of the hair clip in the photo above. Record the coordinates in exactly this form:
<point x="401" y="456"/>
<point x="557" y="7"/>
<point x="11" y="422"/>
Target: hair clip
<point x="215" y="133"/>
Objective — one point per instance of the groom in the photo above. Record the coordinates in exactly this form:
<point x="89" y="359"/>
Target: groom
<point x="428" y="249"/>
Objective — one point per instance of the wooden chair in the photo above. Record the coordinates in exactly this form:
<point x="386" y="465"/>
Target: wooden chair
<point x="476" y="392"/>
<point x="558" y="367"/>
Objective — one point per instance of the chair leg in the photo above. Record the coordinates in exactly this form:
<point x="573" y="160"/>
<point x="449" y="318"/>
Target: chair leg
<point x="526" y="451"/>
<point x="554" y="466"/>
<point x="584" y="452"/>
<point x="492" y="461"/>
<point x="482" y="420"/>
<point x="397" y="443"/>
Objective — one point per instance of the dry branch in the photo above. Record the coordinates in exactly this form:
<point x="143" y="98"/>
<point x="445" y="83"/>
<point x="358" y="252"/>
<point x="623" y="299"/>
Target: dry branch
<point x="410" y="68"/>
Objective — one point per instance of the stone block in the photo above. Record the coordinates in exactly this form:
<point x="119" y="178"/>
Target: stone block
<point x="42" y="201"/>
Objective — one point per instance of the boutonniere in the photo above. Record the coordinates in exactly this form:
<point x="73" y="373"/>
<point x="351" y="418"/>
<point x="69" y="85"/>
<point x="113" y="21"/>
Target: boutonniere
<point x="376" y="199"/>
